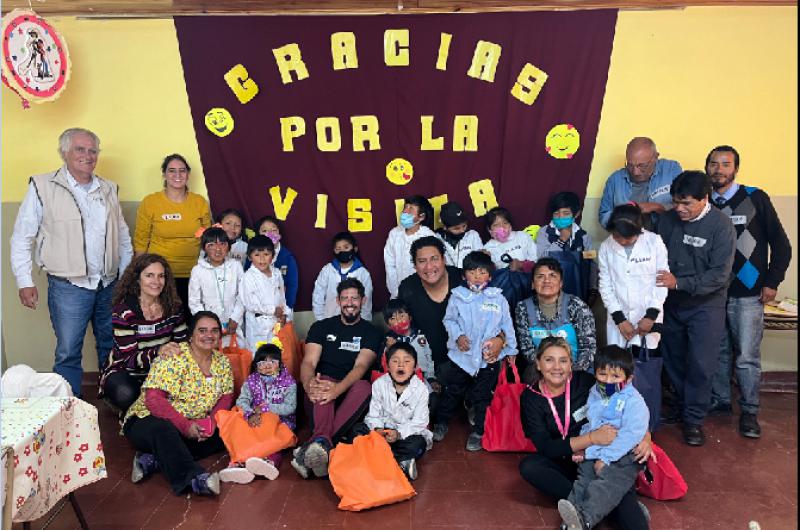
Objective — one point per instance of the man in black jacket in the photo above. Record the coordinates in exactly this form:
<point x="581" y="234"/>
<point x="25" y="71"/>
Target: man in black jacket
<point x="700" y="242"/>
<point x="763" y="253"/>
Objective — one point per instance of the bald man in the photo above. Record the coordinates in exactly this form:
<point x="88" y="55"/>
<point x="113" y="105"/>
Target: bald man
<point x="645" y="180"/>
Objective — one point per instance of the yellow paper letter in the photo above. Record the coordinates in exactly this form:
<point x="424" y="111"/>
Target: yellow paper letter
<point x="322" y="210"/>
<point x="244" y="88"/>
<point x="429" y="143"/>
<point x="343" y="50"/>
<point x="465" y="133"/>
<point x="484" y="61"/>
<point x="359" y="215"/>
<point x="482" y="195"/>
<point x="365" y="129"/>
<point x="288" y="59"/>
<point x="280" y="206"/>
<point x="437" y="203"/>
<point x="326" y="142"/>
<point x="395" y="47"/>
<point x="399" y="204"/>
<point x="444" y="51"/>
<point x="529" y="84"/>
<point x="291" y="127"/>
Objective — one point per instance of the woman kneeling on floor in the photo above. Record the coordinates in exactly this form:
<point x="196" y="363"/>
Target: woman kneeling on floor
<point x="171" y="423"/>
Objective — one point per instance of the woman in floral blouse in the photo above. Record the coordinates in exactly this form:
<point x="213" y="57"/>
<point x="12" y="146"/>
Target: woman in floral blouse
<point x="171" y="424"/>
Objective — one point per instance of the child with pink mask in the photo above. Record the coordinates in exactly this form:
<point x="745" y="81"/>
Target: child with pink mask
<point x="508" y="248"/>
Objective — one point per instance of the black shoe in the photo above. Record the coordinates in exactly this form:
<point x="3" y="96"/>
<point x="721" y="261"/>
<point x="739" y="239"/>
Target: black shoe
<point x="718" y="408"/>
<point x="693" y="435"/>
<point x="748" y="426"/>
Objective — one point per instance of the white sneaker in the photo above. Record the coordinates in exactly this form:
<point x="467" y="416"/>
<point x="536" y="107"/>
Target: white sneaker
<point x="239" y="475"/>
<point x="262" y="467"/>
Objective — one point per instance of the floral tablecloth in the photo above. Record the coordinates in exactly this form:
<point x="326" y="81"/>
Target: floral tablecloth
<point x="57" y="449"/>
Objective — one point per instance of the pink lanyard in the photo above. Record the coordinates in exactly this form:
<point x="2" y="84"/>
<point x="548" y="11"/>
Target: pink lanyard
<point x="562" y="428"/>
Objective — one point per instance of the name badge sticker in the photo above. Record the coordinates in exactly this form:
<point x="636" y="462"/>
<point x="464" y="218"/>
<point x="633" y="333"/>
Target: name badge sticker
<point x="589" y="254"/>
<point x="146" y="329"/>
<point x="580" y="414"/>
<point x="663" y="190"/>
<point x="694" y="241"/>
<point x="171" y="217"/>
<point x="739" y="219"/>
<point x="620" y="405"/>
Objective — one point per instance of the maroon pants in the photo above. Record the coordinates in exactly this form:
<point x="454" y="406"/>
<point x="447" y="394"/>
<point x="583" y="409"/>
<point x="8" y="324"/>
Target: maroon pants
<point x="333" y="418"/>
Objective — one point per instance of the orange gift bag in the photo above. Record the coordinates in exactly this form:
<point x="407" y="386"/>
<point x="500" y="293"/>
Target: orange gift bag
<point x="364" y="474"/>
<point x="243" y="441"/>
<point x="240" y="360"/>
<point x="291" y="354"/>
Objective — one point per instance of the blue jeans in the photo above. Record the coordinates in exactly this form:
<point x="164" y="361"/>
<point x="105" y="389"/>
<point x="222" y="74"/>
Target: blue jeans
<point x="741" y="341"/>
<point x="71" y="310"/>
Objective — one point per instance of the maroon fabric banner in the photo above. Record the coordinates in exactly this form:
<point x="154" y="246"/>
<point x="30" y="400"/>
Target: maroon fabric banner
<point x="472" y="101"/>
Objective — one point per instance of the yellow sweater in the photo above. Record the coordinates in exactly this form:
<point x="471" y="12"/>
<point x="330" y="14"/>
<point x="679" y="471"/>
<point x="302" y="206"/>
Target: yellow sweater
<point x="167" y="228"/>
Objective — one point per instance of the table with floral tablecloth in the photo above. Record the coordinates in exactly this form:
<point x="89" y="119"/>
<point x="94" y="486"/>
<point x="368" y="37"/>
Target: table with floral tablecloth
<point x="56" y="450"/>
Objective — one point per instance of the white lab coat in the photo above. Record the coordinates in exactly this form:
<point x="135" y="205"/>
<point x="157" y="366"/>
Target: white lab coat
<point x="408" y="414"/>
<point x="207" y="282"/>
<point x="519" y="245"/>
<point x="323" y="299"/>
<point x="628" y="284"/>
<point x="454" y="256"/>
<point x="261" y="295"/>
<point x="397" y="256"/>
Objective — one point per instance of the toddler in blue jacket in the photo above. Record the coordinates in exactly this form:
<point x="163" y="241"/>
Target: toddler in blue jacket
<point x="475" y="315"/>
<point x="607" y="472"/>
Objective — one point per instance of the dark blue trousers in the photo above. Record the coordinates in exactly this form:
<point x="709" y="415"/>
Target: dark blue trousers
<point x="690" y="347"/>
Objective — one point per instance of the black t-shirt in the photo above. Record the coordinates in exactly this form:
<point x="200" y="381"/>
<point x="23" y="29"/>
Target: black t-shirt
<point x="427" y="314"/>
<point x="540" y="425"/>
<point x="341" y="344"/>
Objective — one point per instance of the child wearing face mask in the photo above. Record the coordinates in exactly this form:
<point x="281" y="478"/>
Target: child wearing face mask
<point x="401" y="329"/>
<point x="398" y="409"/>
<point x="475" y="315"/>
<point x="416" y="221"/>
<point x="214" y="283"/>
<point x="508" y="247"/>
<point x="268" y="388"/>
<point x="284" y="259"/>
<point x="607" y="472"/>
<point x="562" y="235"/>
<point x="458" y="240"/>
<point x="345" y="264"/>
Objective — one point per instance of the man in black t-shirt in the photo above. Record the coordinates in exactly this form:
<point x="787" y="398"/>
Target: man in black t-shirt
<point x="338" y="352"/>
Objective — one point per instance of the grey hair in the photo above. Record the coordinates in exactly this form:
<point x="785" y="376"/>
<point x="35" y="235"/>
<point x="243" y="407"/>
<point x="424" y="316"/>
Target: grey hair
<point x="65" y="140"/>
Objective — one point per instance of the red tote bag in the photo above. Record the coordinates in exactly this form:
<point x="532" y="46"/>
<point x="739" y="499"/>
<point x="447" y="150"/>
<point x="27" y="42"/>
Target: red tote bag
<point x="503" y="427"/>
<point x="661" y="480"/>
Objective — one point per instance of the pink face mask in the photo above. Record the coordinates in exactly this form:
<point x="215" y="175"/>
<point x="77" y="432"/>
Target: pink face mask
<point x="501" y="234"/>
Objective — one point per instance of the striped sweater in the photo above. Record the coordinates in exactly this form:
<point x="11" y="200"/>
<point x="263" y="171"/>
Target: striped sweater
<point x="136" y="339"/>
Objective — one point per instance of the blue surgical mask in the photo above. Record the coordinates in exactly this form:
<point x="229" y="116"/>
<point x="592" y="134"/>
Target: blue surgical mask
<point x="563" y="222"/>
<point x="477" y="287"/>
<point x="607" y="390"/>
<point x="407" y="220"/>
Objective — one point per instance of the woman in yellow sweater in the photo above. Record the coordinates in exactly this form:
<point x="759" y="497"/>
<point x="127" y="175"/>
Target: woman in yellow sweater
<point x="167" y="221"/>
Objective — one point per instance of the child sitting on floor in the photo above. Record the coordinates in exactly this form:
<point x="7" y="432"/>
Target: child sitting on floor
<point x="475" y="315"/>
<point x="268" y="388"/>
<point x="607" y="472"/>
<point x="399" y="409"/>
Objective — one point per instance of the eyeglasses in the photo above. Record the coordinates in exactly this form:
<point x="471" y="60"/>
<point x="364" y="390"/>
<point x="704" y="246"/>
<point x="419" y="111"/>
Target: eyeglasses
<point x="640" y="167"/>
<point x="266" y="362"/>
<point x="83" y="150"/>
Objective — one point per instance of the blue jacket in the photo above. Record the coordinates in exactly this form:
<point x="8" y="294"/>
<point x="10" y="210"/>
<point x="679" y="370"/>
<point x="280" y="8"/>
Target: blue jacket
<point x="480" y="316"/>
<point x="627" y="412"/>
<point x="618" y="188"/>
<point x="286" y="263"/>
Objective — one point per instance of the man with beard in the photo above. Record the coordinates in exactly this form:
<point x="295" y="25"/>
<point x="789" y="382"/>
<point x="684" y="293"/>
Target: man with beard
<point x="700" y="243"/>
<point x="338" y="352"/>
<point x="756" y="276"/>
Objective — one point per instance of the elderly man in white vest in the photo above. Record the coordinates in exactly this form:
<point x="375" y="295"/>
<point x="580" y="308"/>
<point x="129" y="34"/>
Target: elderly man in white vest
<point x="72" y="221"/>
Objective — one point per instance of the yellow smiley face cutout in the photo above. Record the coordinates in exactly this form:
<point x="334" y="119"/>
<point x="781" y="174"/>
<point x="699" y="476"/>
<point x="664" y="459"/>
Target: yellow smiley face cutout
<point x="219" y="121"/>
<point x="562" y="141"/>
<point x="399" y="171"/>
